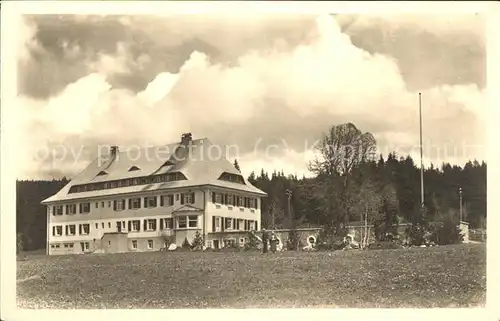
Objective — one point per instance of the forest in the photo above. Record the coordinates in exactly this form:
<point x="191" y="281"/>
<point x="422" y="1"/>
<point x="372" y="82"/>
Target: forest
<point x="349" y="183"/>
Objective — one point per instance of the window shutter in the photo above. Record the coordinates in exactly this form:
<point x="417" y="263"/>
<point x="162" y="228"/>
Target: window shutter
<point x="53" y="230"/>
<point x="234" y="200"/>
<point x="114" y="205"/>
<point x="192" y="197"/>
<point x="246" y="225"/>
<point x="213" y="197"/>
<point x="155" y="225"/>
<point x="161" y="200"/>
<point x="237" y="224"/>
<point x="224" y="200"/>
<point x="256" y="225"/>
<point x="66" y="229"/>
<point x="182" y="198"/>
<point x="130" y="225"/>
<point x="79" y="228"/>
<point x="129" y="203"/>
<point x="222" y="224"/>
<point x="145" y="225"/>
<point x="145" y="200"/>
<point x="161" y="224"/>
<point x="213" y="223"/>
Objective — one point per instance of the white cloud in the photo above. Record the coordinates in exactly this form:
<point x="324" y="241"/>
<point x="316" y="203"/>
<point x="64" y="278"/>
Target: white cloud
<point x="325" y="78"/>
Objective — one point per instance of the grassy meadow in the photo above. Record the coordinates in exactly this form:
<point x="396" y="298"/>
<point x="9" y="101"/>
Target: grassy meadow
<point x="448" y="276"/>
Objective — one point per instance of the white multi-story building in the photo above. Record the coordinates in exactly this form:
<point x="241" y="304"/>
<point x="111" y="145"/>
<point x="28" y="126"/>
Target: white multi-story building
<point x="135" y="200"/>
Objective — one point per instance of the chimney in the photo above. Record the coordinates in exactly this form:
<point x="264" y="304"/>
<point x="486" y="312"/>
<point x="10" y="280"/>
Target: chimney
<point x="114" y="151"/>
<point x="186" y="139"/>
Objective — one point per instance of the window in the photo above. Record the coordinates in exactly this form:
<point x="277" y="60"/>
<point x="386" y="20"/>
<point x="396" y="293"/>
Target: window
<point x="218" y="198"/>
<point x="240" y="201"/>
<point x="150" y="201"/>
<point x="68" y="245"/>
<point x="97" y="205"/>
<point x="119" y="205"/>
<point x="84" y="229"/>
<point x="167" y="200"/>
<point x="228" y="224"/>
<point x="165" y="223"/>
<point x="181" y="222"/>
<point x="133" y="168"/>
<point x="135" y="226"/>
<point x="215" y="224"/>
<point x="151" y="225"/>
<point x="58" y="210"/>
<point x="57" y="230"/>
<point x="241" y="225"/>
<point x="102" y="173"/>
<point x="71" y="209"/>
<point x="57" y="246"/>
<point x="84" y="208"/>
<point x="52" y="246"/>
<point x="187" y="198"/>
<point x="84" y="246"/>
<point x="150" y="244"/>
<point x="252" y="202"/>
<point x="109" y="224"/>
<point x="102" y="224"/>
<point x="134" y="244"/>
<point x="71" y="229"/>
<point x="193" y="221"/>
<point x="230" y="199"/>
<point x="96" y="225"/>
<point x="134" y="203"/>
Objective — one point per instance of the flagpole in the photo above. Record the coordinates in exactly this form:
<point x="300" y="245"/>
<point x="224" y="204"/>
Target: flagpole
<point x="421" y="153"/>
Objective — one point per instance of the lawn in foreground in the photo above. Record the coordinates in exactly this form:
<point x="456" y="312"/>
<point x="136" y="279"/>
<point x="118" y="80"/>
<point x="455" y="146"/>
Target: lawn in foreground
<point x="449" y="276"/>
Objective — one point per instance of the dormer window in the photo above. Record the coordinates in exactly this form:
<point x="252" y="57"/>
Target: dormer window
<point x="133" y="168"/>
<point x="229" y="177"/>
<point x="102" y="173"/>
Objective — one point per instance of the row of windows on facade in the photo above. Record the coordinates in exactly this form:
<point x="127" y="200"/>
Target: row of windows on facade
<point x="128" y="182"/>
<point x="152" y="202"/>
<point x="234" y="200"/>
<point x="133" y="203"/>
<point x="150" y="225"/>
<point x="86" y="246"/>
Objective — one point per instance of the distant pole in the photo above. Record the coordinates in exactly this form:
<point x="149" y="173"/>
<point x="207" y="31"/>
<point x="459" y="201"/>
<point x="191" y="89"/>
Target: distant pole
<point x="421" y="153"/>
<point x="461" y="208"/>
<point x="289" y="196"/>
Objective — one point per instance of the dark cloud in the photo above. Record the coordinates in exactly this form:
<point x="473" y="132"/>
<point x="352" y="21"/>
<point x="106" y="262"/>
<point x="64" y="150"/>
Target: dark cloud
<point x="426" y="58"/>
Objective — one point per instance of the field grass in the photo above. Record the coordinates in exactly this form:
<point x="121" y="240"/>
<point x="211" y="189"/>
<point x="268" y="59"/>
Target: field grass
<point x="450" y="276"/>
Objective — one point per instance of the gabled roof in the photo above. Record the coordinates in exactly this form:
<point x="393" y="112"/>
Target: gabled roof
<point x="187" y="209"/>
<point x="202" y="164"/>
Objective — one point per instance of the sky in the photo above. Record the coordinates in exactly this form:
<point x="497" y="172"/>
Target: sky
<point x="269" y="84"/>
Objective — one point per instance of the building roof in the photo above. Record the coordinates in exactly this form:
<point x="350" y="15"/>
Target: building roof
<point x="202" y="163"/>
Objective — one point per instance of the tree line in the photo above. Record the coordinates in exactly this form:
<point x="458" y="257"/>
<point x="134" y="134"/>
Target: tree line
<point x="349" y="184"/>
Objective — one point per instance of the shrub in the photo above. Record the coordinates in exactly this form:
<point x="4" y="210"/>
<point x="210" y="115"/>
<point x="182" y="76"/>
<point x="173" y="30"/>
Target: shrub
<point x="293" y="242"/>
<point x="416" y="233"/>
<point x="253" y="242"/>
<point x="449" y="232"/>
<point x="197" y="242"/>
